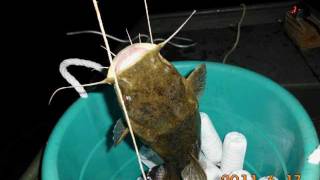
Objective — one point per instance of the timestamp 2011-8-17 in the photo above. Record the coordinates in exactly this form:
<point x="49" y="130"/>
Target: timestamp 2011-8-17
<point x="253" y="177"/>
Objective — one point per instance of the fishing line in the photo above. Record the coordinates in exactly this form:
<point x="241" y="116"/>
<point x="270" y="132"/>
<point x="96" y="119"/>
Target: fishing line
<point x="118" y="88"/>
<point x="113" y="54"/>
<point x="238" y="35"/>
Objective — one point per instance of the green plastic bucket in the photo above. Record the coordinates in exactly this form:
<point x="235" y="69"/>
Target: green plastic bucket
<point x="279" y="132"/>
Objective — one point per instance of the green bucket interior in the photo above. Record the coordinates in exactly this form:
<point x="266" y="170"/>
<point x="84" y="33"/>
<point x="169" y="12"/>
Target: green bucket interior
<point x="280" y="134"/>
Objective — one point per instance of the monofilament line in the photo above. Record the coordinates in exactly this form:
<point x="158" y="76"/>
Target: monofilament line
<point x="148" y="20"/>
<point x="118" y="88"/>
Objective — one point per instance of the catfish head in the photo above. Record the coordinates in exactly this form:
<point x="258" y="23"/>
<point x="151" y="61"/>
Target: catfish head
<point x="156" y="96"/>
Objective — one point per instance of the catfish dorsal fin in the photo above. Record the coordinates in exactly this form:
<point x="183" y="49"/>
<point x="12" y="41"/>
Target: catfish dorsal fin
<point x="197" y="79"/>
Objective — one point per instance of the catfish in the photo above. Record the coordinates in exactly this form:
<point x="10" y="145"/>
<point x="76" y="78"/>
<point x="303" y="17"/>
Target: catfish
<point x="163" y="109"/>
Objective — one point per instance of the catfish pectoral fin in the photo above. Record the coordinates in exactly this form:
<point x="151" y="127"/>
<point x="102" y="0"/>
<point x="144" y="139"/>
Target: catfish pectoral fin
<point x="197" y="79"/>
<point x="119" y="132"/>
<point x="193" y="171"/>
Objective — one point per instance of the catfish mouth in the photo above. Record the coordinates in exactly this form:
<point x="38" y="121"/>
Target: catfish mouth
<point x="128" y="57"/>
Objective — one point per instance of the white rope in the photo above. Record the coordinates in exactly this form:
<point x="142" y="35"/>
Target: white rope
<point x="71" y="79"/>
<point x="69" y="87"/>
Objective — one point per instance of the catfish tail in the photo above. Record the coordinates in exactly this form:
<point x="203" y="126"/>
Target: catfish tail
<point x="193" y="171"/>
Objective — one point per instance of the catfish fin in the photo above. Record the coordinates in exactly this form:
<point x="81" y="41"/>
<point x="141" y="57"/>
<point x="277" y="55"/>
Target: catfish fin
<point x="197" y="79"/>
<point x="149" y="157"/>
<point x="163" y="172"/>
<point x="193" y="171"/>
<point x="157" y="173"/>
<point x="119" y="132"/>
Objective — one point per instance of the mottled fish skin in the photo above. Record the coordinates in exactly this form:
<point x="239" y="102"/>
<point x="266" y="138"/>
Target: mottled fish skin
<point x="162" y="172"/>
<point x="163" y="109"/>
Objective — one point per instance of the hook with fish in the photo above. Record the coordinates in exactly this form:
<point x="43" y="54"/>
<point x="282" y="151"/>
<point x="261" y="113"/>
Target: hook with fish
<point x="116" y="84"/>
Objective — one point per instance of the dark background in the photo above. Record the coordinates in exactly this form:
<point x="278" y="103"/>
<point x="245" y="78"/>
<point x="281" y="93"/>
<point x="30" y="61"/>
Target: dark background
<point x="43" y="29"/>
